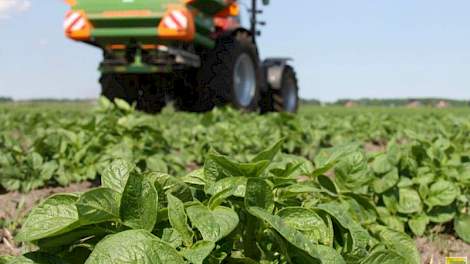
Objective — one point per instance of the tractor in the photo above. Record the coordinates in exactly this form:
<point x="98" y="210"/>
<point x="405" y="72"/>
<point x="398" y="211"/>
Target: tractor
<point x="194" y="53"/>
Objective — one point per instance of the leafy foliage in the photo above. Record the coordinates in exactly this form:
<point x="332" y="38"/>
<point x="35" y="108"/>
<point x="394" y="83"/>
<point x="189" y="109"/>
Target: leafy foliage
<point x="205" y="186"/>
<point x="261" y="224"/>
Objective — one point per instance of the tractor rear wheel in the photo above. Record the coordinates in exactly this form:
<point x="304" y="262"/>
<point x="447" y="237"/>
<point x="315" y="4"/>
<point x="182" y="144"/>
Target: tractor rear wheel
<point x="146" y="90"/>
<point x="231" y="72"/>
<point x="285" y="98"/>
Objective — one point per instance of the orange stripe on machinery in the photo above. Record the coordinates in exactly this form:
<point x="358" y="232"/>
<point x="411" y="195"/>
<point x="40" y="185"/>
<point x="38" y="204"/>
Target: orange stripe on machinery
<point x="128" y="13"/>
<point x="71" y="2"/>
<point x="177" y="24"/>
<point x="77" y="26"/>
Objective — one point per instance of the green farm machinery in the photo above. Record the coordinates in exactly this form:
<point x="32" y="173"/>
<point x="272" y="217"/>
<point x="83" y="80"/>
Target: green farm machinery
<point x="192" y="52"/>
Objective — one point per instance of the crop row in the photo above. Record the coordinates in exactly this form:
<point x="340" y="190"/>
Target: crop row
<point x="268" y="210"/>
<point x="339" y="187"/>
<point x="47" y="146"/>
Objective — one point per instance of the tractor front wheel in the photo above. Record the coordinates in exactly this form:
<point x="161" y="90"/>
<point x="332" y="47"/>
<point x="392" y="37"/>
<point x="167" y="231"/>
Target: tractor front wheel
<point x="231" y="72"/>
<point x="286" y="97"/>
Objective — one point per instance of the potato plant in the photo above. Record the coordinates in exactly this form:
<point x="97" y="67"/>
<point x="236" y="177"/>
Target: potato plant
<point x="365" y="174"/>
<point x="274" y="208"/>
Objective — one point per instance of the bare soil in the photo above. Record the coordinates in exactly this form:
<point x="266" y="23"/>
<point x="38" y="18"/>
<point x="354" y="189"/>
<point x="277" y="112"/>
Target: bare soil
<point x="14" y="206"/>
<point x="435" y="251"/>
<point x="374" y="147"/>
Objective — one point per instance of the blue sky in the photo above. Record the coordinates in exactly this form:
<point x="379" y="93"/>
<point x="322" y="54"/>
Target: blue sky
<point x="342" y="48"/>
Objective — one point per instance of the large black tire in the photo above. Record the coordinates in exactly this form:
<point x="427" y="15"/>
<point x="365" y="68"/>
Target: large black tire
<point x="191" y="97"/>
<point x="285" y="99"/>
<point x="217" y="73"/>
<point x="145" y="90"/>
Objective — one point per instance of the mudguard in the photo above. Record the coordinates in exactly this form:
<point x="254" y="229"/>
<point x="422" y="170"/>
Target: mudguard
<point x="273" y="69"/>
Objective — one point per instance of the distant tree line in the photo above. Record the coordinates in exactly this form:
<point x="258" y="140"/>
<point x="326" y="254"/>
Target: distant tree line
<point x="399" y="102"/>
<point x="310" y="101"/>
<point x="5" y="99"/>
<point x="404" y="102"/>
<point x="56" y="100"/>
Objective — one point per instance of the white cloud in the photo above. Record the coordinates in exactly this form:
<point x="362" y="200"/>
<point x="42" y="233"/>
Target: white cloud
<point x="9" y="7"/>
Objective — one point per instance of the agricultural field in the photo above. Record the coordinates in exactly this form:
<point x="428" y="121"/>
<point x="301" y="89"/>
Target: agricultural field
<point x="102" y="183"/>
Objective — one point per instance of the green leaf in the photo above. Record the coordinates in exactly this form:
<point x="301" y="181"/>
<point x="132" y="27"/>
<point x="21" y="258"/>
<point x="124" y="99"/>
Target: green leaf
<point x="405" y="182"/>
<point x="198" y="252"/>
<point x="409" y="201"/>
<point x="259" y="194"/>
<point x="227" y="220"/>
<point x="384" y="257"/>
<point x="424" y="179"/>
<point x="361" y="209"/>
<point x="236" y="169"/>
<point x="218" y="198"/>
<point x="338" y="211"/>
<point x="306" y="221"/>
<point x="269" y="153"/>
<point x="238" y="183"/>
<point x="5" y="259"/>
<point x="234" y="260"/>
<point x="115" y="176"/>
<point x="329" y="255"/>
<point x="134" y="247"/>
<point x="296" y="238"/>
<point x="36" y="258"/>
<point x="169" y="184"/>
<point x="327" y="158"/>
<point x="179" y="220"/>
<point x="213" y="224"/>
<point x="386" y="182"/>
<point x="156" y="163"/>
<point x="442" y="214"/>
<point x="393" y="152"/>
<point x="294" y="190"/>
<point x="48" y="169"/>
<point x="327" y="184"/>
<point x="98" y="205"/>
<point x="203" y="219"/>
<point x="381" y="164"/>
<point x="442" y="193"/>
<point x="462" y="227"/>
<point x="104" y="103"/>
<point x="195" y="177"/>
<point x="290" y="166"/>
<point x="231" y="168"/>
<point x="390" y="199"/>
<point x="418" y="224"/>
<point x="398" y="242"/>
<point x="391" y="221"/>
<point x="55" y="216"/>
<point x="123" y="105"/>
<point x="352" y="172"/>
<point x="139" y="203"/>
<point x="172" y="237"/>
<point x="72" y="237"/>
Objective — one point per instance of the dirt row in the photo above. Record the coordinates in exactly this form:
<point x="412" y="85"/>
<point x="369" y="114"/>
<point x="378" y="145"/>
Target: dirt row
<point x="15" y="205"/>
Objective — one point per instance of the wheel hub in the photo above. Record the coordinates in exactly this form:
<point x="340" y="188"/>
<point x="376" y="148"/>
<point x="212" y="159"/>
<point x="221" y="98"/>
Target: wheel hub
<point x="244" y="80"/>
